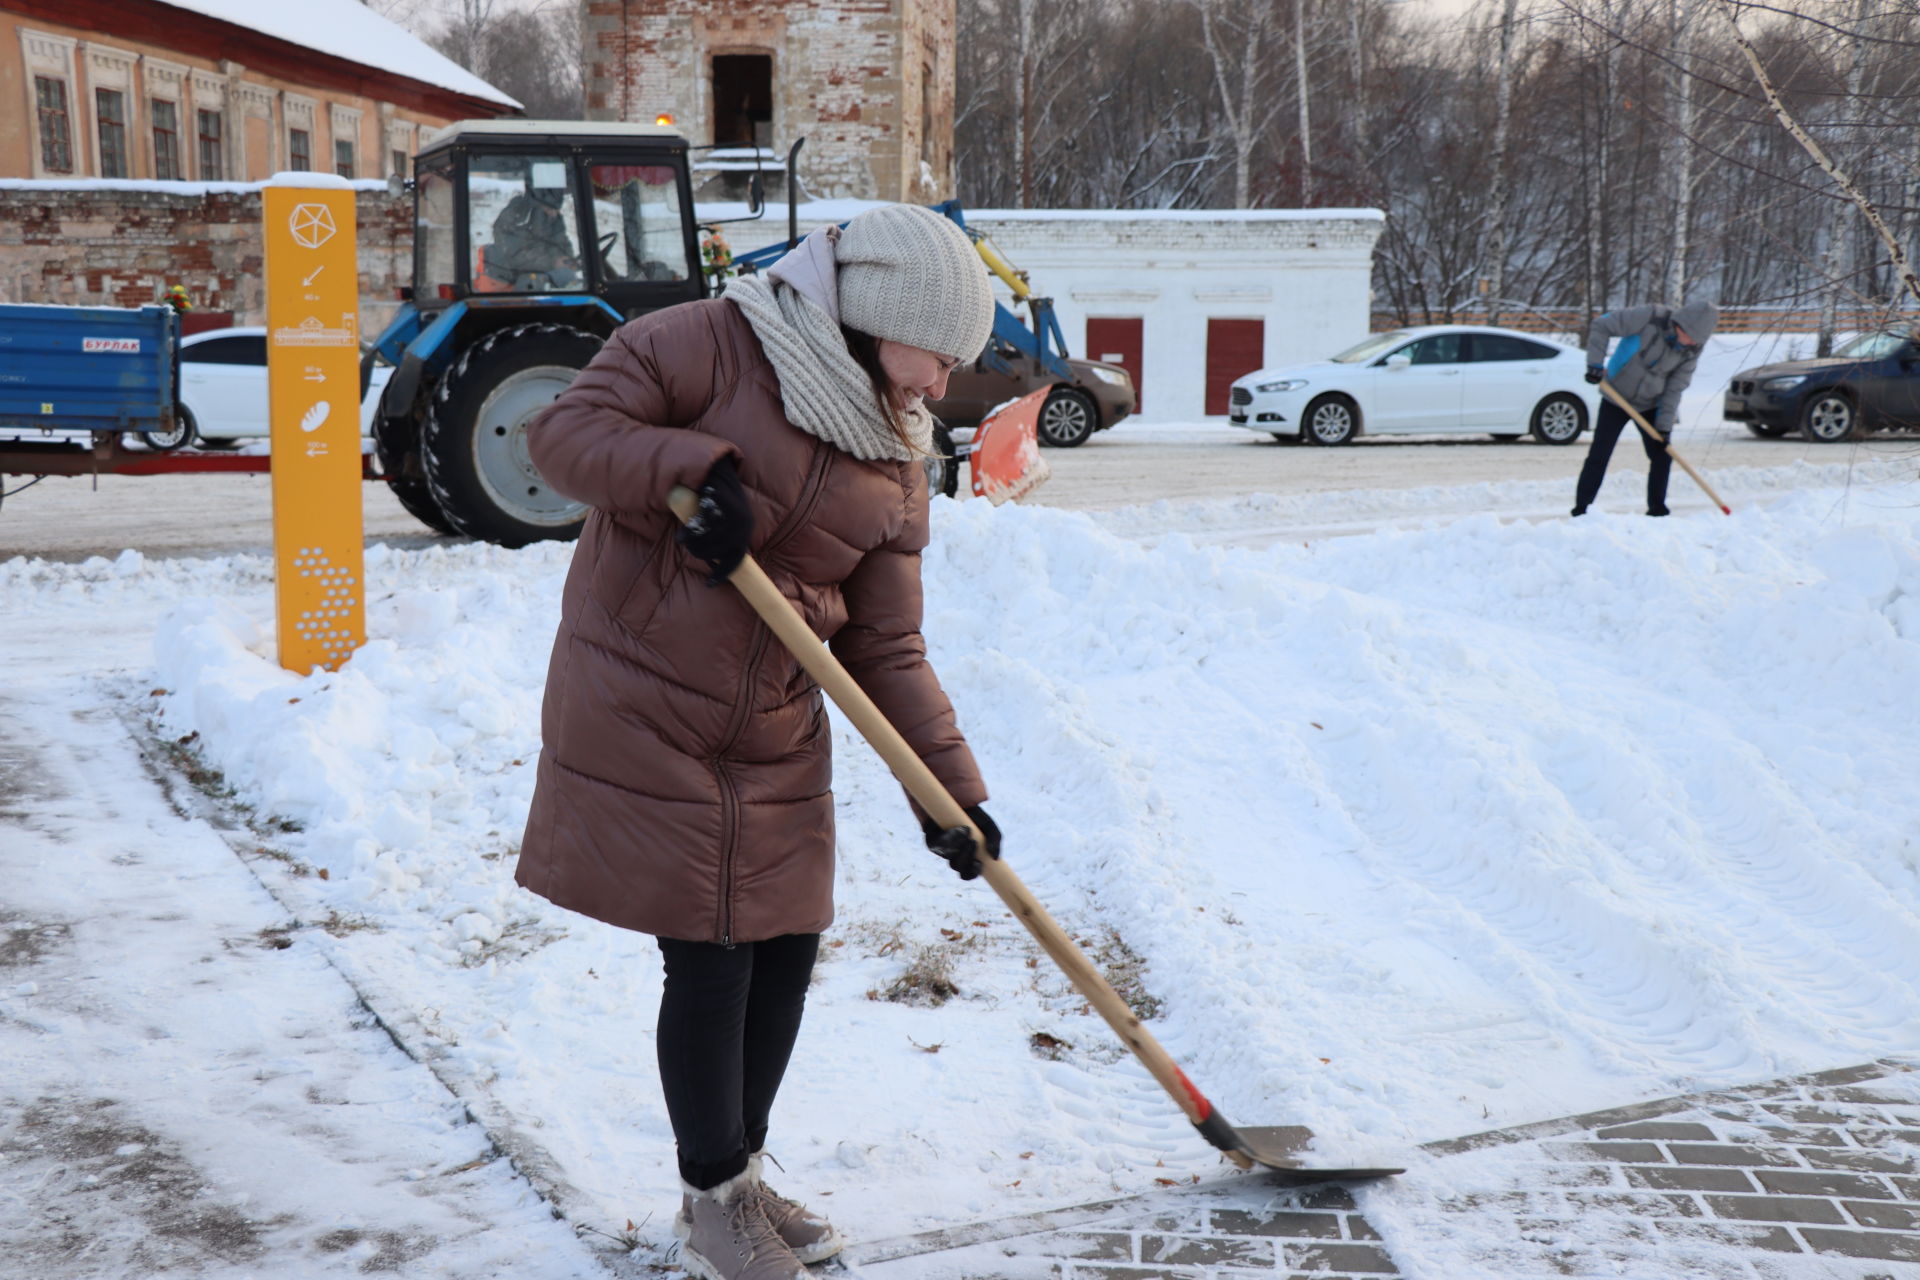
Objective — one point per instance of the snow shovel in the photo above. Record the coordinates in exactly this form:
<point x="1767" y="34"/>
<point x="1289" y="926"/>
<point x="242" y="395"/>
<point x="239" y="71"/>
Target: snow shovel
<point x="1272" y="1148"/>
<point x="1606" y="389"/>
<point x="1003" y="457"/>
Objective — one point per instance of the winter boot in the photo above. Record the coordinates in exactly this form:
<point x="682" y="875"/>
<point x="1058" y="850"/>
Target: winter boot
<point x="810" y="1236"/>
<point x="724" y="1235"/>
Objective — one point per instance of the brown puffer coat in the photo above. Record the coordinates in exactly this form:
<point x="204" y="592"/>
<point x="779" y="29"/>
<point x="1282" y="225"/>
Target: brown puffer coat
<point x="683" y="785"/>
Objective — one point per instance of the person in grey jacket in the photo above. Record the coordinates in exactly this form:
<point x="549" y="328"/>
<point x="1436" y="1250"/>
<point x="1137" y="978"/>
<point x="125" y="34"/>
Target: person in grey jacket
<point x="1659" y="348"/>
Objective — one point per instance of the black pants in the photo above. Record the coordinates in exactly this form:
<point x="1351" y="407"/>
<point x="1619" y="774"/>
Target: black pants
<point x="728" y="1020"/>
<point x="1606" y="432"/>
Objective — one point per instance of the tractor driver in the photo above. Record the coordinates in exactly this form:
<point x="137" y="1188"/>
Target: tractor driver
<point x="530" y="237"/>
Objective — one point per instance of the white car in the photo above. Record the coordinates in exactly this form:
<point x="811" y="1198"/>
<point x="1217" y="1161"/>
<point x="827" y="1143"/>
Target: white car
<point x="223" y="383"/>
<point x="1445" y="378"/>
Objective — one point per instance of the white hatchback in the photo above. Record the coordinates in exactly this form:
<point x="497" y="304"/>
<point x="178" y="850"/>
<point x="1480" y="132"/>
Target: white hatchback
<point x="1433" y="379"/>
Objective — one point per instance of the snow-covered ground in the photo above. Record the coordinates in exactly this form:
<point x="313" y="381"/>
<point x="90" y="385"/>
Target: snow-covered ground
<point x="1406" y="834"/>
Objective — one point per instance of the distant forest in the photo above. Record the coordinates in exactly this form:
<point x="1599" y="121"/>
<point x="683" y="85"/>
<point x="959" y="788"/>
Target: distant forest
<point x="1534" y="153"/>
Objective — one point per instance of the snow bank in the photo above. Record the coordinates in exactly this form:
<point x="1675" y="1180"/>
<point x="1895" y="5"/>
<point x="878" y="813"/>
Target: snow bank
<point x="1411" y="834"/>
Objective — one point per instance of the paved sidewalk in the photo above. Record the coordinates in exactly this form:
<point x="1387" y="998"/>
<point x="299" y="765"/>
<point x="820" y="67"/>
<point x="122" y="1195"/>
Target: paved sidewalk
<point x="1814" y="1175"/>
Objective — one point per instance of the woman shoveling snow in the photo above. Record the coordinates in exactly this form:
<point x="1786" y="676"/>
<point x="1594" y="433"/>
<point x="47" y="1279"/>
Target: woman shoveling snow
<point x="684" y="780"/>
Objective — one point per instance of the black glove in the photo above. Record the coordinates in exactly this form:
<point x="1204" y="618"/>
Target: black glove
<point x="956" y="844"/>
<point x="722" y="527"/>
<point x="1595" y="373"/>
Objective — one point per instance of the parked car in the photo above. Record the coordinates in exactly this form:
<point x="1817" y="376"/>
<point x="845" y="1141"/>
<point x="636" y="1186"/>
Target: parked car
<point x="1430" y="379"/>
<point x="1871" y="383"/>
<point x="223" y="385"/>
<point x="1099" y="396"/>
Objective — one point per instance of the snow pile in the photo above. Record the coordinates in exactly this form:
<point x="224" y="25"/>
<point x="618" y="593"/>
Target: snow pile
<point x="1399" y="836"/>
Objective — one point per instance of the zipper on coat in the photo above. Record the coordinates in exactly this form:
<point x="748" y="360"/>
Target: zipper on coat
<point x="743" y="708"/>
<point x="730" y="830"/>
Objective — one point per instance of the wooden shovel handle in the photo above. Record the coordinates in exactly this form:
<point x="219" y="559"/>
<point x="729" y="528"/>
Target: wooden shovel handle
<point x="1606" y="389"/>
<point x="787" y="624"/>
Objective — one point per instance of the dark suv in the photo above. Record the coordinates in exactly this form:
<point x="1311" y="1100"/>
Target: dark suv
<point x="1871" y="383"/>
<point x="1099" y="396"/>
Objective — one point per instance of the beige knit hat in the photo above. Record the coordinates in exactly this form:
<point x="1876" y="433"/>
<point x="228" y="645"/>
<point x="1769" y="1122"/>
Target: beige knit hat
<point x="908" y="274"/>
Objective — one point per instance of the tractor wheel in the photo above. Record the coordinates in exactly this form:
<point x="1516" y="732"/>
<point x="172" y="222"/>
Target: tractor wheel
<point x="396" y="444"/>
<point x="474" y="441"/>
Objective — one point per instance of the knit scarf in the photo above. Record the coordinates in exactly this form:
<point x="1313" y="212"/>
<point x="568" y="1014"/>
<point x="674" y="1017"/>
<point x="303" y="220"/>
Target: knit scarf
<point x="822" y="387"/>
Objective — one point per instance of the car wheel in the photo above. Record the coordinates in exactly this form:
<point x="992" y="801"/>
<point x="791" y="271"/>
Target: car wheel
<point x="1559" y="419"/>
<point x="1830" y="417"/>
<point x="1767" y="430"/>
<point x="474" y="441"/>
<point x="1067" y="418"/>
<point x="942" y="467"/>
<point x="1332" y="419"/>
<point x="179" y="436"/>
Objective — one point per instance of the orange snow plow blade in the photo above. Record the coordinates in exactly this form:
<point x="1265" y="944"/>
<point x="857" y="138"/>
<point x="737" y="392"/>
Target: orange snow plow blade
<point x="1004" y="459"/>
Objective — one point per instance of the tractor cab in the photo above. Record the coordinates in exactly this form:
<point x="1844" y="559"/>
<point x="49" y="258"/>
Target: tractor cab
<point x="533" y="241"/>
<point x="579" y="210"/>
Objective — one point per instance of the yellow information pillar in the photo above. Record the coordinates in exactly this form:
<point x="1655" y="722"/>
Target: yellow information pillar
<point x="313" y="389"/>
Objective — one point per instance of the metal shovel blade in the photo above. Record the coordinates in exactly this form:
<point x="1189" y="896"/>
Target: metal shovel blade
<point x="1275" y="1148"/>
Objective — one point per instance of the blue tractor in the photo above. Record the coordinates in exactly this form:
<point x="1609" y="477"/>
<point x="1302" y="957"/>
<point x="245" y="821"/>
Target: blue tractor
<point x="533" y="241"/>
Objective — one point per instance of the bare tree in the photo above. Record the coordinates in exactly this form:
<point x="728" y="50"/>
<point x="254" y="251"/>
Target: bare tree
<point x="533" y="55"/>
<point x="1502" y="131"/>
<point x="1237" y="34"/>
<point x="1680" y="145"/>
<point x="1903" y="271"/>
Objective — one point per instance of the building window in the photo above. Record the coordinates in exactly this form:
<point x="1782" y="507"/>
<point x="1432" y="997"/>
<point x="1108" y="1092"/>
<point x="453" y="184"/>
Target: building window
<point x="110" y="116"/>
<point x="743" y="100"/>
<point x="300" y="148"/>
<point x="400" y="163"/>
<point x="212" y="166"/>
<point x="56" y="140"/>
<point x="343" y="157"/>
<point x="166" y="140"/>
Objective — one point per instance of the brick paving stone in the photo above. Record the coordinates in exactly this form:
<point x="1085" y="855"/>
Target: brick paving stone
<point x="1660" y="1129"/>
<point x="1641" y="1203"/>
<point x="1099" y="1246"/>
<point x="1873" y="1093"/>
<point x="1889" y="1217"/>
<point x="1863" y="1244"/>
<point x="1362" y="1259"/>
<point x="1658" y="1177"/>
<point x="1619" y="1152"/>
<point x="1773" y="1239"/>
<point x="1813" y="1113"/>
<point x="1572" y="1175"/>
<point x="1804" y="1182"/>
<point x="1909" y="1188"/>
<point x="1863" y="1161"/>
<point x="1727" y="1153"/>
<point x="1358" y="1228"/>
<point x="1774" y="1208"/>
<point x="1206" y="1251"/>
<point x="1138" y="1273"/>
<point x="1324" y="1226"/>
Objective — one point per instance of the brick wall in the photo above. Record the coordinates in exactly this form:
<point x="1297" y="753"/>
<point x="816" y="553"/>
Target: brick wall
<point x="847" y="74"/>
<point x="102" y="245"/>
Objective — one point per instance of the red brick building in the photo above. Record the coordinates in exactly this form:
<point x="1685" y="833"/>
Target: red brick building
<point x="869" y="83"/>
<point x="219" y="90"/>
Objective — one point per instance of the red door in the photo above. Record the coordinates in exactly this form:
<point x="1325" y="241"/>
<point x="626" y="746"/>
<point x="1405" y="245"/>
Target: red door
<point x="1117" y="340"/>
<point x="1235" y="348"/>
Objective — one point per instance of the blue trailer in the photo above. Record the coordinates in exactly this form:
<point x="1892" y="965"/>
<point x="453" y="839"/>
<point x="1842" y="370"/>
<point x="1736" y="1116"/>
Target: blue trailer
<point x="67" y="371"/>
<point x="76" y="381"/>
